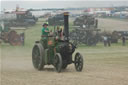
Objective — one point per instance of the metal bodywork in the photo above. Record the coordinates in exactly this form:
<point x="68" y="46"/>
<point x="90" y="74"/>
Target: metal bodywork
<point x="59" y="53"/>
<point x="86" y="30"/>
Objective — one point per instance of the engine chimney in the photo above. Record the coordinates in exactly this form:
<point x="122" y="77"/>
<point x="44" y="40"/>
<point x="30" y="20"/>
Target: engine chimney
<point x="66" y="26"/>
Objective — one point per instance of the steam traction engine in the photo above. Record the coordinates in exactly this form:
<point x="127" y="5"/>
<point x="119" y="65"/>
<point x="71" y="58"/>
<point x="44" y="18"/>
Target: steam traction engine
<point x="59" y="53"/>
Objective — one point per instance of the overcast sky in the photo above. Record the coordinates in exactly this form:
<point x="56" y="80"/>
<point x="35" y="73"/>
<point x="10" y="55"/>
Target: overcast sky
<point x="11" y="4"/>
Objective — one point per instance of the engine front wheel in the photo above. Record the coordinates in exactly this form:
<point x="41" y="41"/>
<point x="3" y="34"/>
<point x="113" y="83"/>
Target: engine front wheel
<point x="78" y="62"/>
<point x="58" y="62"/>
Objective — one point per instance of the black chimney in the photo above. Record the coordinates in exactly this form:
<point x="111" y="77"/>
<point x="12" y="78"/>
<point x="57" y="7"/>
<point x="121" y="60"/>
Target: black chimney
<point x="66" y="26"/>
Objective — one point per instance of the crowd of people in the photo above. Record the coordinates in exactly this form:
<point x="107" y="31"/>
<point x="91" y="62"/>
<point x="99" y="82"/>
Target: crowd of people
<point x="107" y="40"/>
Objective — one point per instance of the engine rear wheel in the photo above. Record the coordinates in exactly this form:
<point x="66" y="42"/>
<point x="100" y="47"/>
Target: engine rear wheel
<point x="78" y="62"/>
<point x="38" y="56"/>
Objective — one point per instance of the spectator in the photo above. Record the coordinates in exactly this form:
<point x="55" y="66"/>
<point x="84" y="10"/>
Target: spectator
<point x="109" y="41"/>
<point x="123" y="40"/>
<point x="105" y="40"/>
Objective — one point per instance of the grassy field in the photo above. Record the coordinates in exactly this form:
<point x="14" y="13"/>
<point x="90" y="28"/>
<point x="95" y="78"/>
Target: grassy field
<point x="102" y="65"/>
<point x="112" y="25"/>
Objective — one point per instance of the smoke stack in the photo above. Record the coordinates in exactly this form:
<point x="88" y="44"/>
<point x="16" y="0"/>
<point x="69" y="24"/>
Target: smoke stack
<point x="66" y="26"/>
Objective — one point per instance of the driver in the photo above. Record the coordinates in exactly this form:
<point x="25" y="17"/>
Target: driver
<point x="45" y="33"/>
<point x="45" y="30"/>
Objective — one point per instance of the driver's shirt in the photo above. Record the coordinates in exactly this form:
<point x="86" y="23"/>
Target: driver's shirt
<point x="43" y="31"/>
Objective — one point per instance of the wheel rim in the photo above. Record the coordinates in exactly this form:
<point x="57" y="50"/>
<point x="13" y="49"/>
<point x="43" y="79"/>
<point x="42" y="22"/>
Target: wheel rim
<point x="78" y="62"/>
<point x="58" y="62"/>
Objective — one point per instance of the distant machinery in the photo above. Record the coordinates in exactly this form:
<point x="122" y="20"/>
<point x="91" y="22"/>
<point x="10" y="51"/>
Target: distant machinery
<point x="86" y="30"/>
<point x="56" y="20"/>
<point x="18" y="18"/>
<point x="8" y="35"/>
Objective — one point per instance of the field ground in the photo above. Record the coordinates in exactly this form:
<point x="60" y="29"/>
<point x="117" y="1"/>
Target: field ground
<point x="102" y="65"/>
<point x="113" y="25"/>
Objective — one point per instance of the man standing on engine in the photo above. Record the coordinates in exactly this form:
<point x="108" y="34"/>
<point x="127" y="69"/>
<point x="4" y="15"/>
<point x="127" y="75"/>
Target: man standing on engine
<point x="45" y="33"/>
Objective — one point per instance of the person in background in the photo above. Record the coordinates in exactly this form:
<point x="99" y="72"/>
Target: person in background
<point x="109" y="41"/>
<point x="105" y="40"/>
<point x="0" y="29"/>
<point x="123" y="40"/>
<point x="0" y="32"/>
